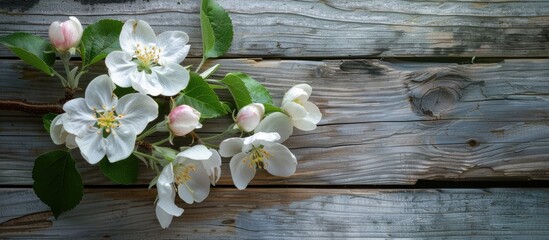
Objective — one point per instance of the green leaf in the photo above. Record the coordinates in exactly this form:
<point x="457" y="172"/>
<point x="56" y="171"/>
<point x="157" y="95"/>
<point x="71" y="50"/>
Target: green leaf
<point x="32" y="49"/>
<point x="217" y="29"/>
<point x="120" y="91"/>
<point x="99" y="39"/>
<point x="200" y="96"/>
<point x="269" y="108"/>
<point x="246" y="90"/>
<point x="47" y="119"/>
<point x="57" y="182"/>
<point x="122" y="172"/>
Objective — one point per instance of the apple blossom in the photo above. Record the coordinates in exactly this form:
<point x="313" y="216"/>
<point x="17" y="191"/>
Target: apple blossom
<point x="249" y="116"/>
<point x="183" y="119"/>
<point x="304" y="114"/>
<point x="66" y="35"/>
<point x="148" y="63"/>
<point x="105" y="125"/>
<point x="58" y="133"/>
<point x="277" y="122"/>
<point x="260" y="150"/>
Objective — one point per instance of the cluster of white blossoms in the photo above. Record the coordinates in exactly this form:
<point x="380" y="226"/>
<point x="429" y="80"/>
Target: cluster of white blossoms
<point x="102" y="125"/>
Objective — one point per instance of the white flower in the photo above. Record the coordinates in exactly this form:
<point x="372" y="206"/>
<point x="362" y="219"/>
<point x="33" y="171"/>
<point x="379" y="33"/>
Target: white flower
<point x="183" y="119"/>
<point x="148" y="63"/>
<point x="165" y="206"/>
<point x="260" y="150"/>
<point x="249" y="116"/>
<point x="58" y="133"/>
<point x="277" y="122"/>
<point x="66" y="35"/>
<point x="105" y="125"/>
<point x="304" y="114"/>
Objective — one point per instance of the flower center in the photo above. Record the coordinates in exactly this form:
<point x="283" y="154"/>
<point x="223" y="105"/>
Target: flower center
<point x="146" y="57"/>
<point x="256" y="157"/>
<point x="106" y="121"/>
<point x="182" y="172"/>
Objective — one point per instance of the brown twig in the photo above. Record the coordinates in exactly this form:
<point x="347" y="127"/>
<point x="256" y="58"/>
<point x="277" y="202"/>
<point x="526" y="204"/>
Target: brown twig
<point x="36" y="108"/>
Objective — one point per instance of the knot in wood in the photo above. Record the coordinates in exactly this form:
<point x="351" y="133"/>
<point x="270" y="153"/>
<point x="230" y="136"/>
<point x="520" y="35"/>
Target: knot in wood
<point x="437" y="95"/>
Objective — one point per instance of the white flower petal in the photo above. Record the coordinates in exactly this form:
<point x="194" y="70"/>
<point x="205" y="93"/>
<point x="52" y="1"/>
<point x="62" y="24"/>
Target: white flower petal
<point x="92" y="146"/>
<point x="299" y="92"/>
<point x="197" y="188"/>
<point x="121" y="67"/>
<point x="81" y="117"/>
<point x="120" y="144"/>
<point x="314" y="115"/>
<point x="173" y="45"/>
<point x="164" y="218"/>
<point x="304" y="124"/>
<point x="57" y="132"/>
<point x="230" y="147"/>
<point x="136" y="32"/>
<point x="145" y="83"/>
<point x="55" y="34"/>
<point x="295" y="110"/>
<point x="196" y="152"/>
<point x="165" y="179"/>
<point x="241" y="172"/>
<point x="137" y="111"/>
<point x="282" y="162"/>
<point x="78" y="26"/>
<point x="172" y="78"/>
<point x="71" y="141"/>
<point x="99" y="93"/>
<point x="277" y="122"/>
<point x="213" y="166"/>
<point x="258" y="139"/>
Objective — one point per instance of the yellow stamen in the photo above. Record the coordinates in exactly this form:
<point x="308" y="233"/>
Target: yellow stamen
<point x="182" y="172"/>
<point x="256" y="158"/>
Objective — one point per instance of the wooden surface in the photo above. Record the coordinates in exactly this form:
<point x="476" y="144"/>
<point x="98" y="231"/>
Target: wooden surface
<point x="397" y="107"/>
<point x="294" y="213"/>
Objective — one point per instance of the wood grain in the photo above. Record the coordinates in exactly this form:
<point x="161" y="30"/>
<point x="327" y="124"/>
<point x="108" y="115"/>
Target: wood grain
<point x="288" y="214"/>
<point x="384" y="122"/>
<point x="323" y="28"/>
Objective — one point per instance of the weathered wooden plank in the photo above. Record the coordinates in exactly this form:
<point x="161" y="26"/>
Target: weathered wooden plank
<point x="288" y="214"/>
<point x="384" y="122"/>
<point x="285" y="28"/>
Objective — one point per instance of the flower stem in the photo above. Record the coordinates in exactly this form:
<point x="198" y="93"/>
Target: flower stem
<point x="147" y="133"/>
<point x="201" y="63"/>
<point x="161" y="142"/>
<point x="146" y="156"/>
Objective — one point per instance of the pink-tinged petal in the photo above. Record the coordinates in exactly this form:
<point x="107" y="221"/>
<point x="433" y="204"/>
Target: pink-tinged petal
<point x="230" y="147"/>
<point x="134" y="33"/>
<point x="135" y="111"/>
<point x="282" y="162"/>
<point x="121" y="67"/>
<point x="81" y="117"/>
<point x="249" y="116"/>
<point x="173" y="46"/>
<point x="92" y="146"/>
<point x="56" y="35"/>
<point x="241" y="170"/>
<point x="196" y="152"/>
<point x="277" y="122"/>
<point x="172" y="78"/>
<point x="183" y="119"/>
<point x="99" y="94"/>
<point x="120" y="144"/>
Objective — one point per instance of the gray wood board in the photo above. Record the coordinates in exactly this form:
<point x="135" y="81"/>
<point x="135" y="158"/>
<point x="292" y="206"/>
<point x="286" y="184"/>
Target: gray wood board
<point x="384" y="122"/>
<point x="289" y="214"/>
<point x="325" y="29"/>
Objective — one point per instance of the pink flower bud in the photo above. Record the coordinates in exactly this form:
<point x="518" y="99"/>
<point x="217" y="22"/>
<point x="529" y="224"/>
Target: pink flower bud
<point x="183" y="119"/>
<point x="249" y="116"/>
<point x="66" y="35"/>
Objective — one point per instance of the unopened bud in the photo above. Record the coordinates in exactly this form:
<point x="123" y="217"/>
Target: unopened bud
<point x="66" y="35"/>
<point x="249" y="116"/>
<point x="183" y="119"/>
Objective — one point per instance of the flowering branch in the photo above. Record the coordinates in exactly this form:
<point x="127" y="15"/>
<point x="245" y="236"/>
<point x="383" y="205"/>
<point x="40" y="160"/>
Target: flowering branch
<point x="36" y="108"/>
